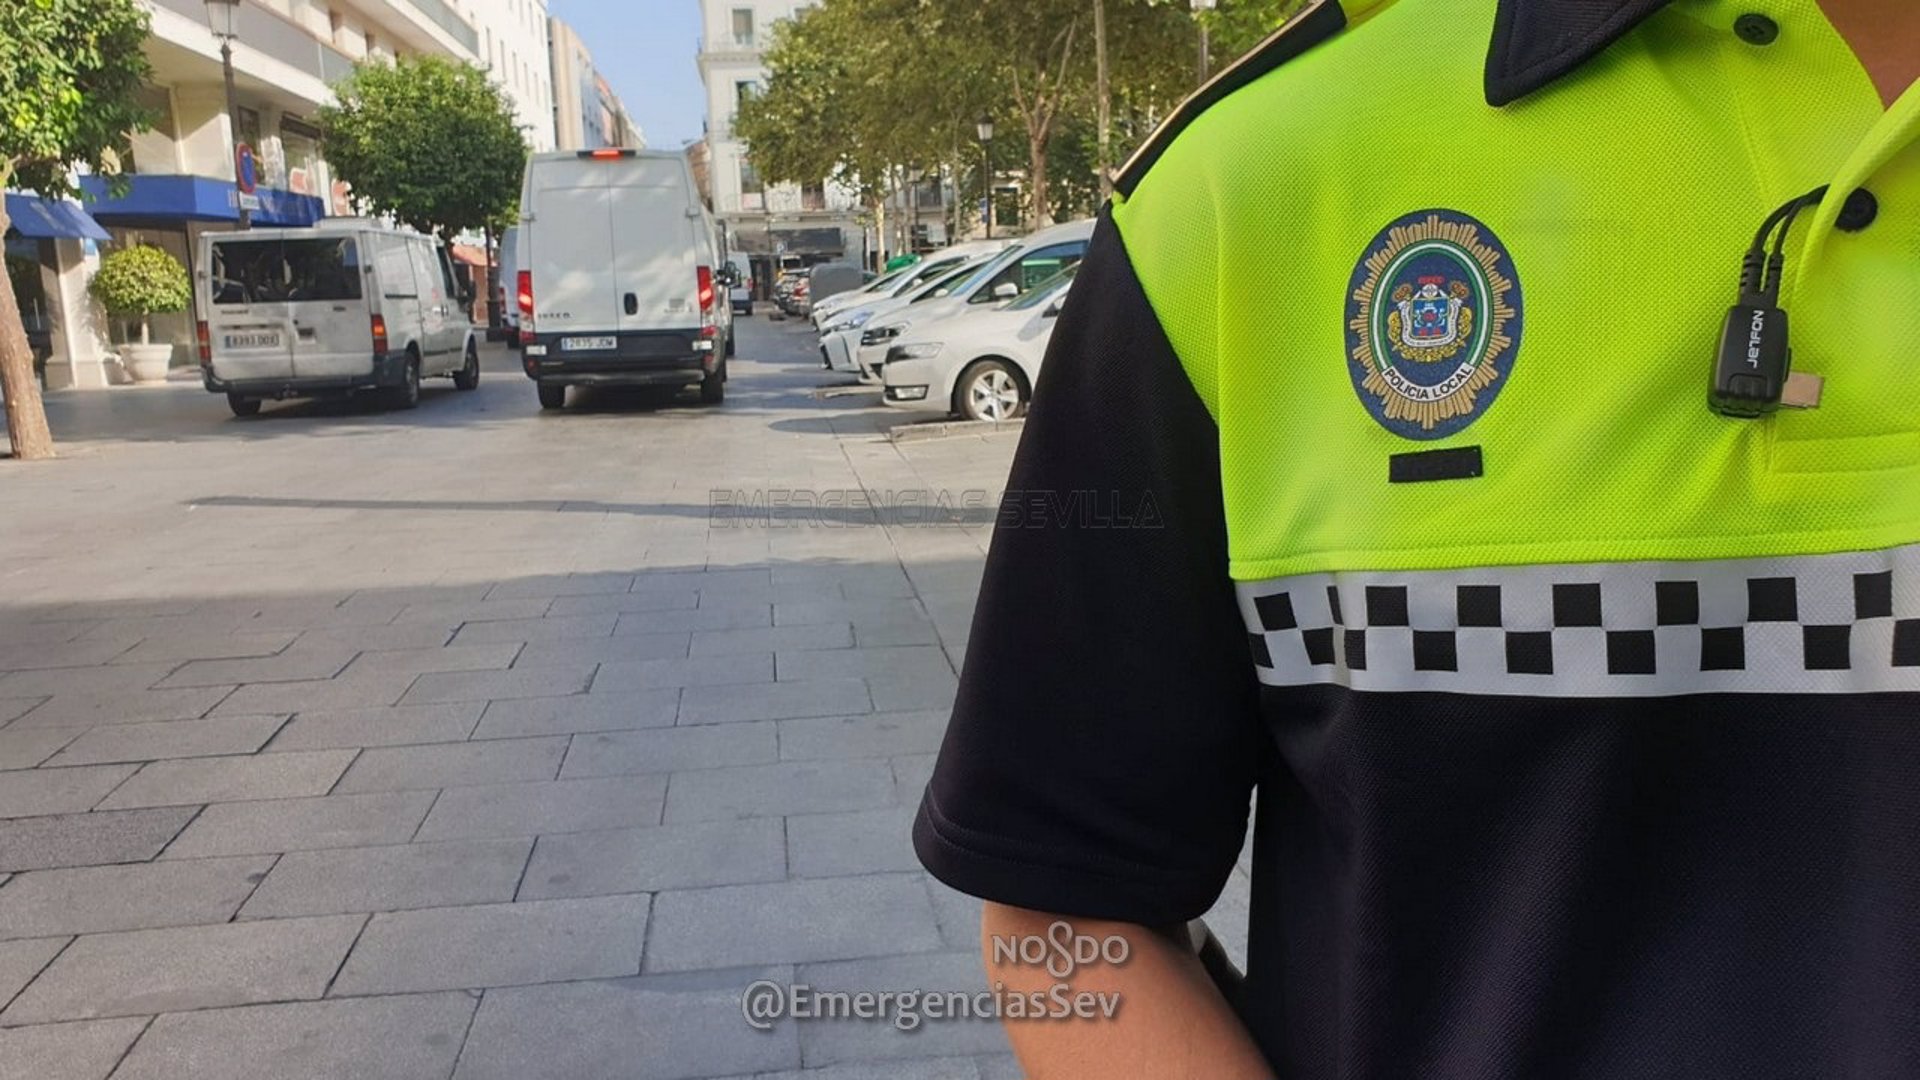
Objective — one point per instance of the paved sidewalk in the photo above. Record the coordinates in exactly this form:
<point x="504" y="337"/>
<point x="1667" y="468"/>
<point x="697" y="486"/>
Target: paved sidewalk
<point x="470" y="742"/>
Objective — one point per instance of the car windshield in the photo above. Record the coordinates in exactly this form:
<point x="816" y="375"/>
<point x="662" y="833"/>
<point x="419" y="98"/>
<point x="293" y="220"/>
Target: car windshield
<point x="984" y="272"/>
<point x="271" y="271"/>
<point x="928" y="271"/>
<point x="946" y="286"/>
<point x="1045" y="290"/>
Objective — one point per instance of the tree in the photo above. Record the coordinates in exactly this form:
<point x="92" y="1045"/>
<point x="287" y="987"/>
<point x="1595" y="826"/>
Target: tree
<point x="139" y="282"/>
<point x="428" y="140"/>
<point x="70" y="71"/>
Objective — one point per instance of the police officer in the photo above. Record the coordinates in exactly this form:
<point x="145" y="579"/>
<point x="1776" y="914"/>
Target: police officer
<point x="1526" y="458"/>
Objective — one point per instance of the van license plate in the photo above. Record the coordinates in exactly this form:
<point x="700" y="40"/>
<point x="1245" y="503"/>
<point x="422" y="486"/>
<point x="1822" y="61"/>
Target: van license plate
<point x="581" y="344"/>
<point x="268" y="340"/>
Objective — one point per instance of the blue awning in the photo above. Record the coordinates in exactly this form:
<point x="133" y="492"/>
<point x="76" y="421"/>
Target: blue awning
<point x="151" y="197"/>
<point x="51" y="219"/>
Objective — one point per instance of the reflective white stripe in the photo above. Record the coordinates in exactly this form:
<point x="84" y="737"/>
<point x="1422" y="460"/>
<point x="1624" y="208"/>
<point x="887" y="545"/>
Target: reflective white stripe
<point x="1816" y="624"/>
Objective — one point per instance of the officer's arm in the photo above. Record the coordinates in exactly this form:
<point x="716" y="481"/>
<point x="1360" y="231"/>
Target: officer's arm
<point x="1171" y="1023"/>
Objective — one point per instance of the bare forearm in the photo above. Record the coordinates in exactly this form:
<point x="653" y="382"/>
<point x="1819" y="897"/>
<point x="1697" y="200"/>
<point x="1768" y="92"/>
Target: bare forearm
<point x="1172" y="1022"/>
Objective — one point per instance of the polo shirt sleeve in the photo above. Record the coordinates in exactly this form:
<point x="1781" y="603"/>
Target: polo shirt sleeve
<point x="1105" y="739"/>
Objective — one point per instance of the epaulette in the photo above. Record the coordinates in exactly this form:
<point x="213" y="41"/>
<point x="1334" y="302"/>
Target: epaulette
<point x="1318" y="22"/>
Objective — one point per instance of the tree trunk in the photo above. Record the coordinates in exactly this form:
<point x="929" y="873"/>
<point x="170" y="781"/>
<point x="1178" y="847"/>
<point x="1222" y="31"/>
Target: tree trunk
<point x="1037" y="177"/>
<point x="1103" y="96"/>
<point x="146" y="331"/>
<point x="26" y="417"/>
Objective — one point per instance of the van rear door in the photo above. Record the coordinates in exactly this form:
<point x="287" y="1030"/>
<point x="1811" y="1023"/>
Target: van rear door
<point x="657" y="252"/>
<point x="288" y="308"/>
<point x="249" y="325"/>
<point x="568" y="246"/>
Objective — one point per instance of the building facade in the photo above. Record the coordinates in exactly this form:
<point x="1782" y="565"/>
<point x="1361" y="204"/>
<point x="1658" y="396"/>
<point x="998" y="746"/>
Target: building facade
<point x="771" y="223"/>
<point x="179" y="179"/>
<point x="514" y="47"/>
<point x="587" y="114"/>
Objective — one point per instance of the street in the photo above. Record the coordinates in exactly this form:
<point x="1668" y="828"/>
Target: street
<point x="481" y="742"/>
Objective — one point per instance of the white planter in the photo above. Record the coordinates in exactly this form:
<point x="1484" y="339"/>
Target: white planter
<point x="148" y="363"/>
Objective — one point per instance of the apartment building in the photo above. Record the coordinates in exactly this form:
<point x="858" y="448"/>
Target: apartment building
<point x="514" y="47"/>
<point x="587" y="114"/>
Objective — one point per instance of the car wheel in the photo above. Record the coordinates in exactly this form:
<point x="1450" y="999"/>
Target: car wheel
<point x="407" y="394"/>
<point x="243" y="406"/>
<point x="552" y="396"/>
<point x="730" y="344"/>
<point x="713" y="388"/>
<point x="990" y="390"/>
<point x="468" y="377"/>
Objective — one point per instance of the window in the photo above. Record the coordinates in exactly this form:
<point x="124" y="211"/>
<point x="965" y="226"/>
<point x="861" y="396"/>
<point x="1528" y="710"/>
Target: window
<point x="753" y="191"/>
<point x="743" y="27"/>
<point x="744" y="90"/>
<point x="1027" y="271"/>
<point x="266" y="271"/>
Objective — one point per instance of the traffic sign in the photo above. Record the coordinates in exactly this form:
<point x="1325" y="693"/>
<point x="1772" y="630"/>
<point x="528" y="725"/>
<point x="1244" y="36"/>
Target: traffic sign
<point x="246" y="170"/>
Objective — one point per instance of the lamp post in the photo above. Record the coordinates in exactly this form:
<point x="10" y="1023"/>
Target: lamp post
<point x="220" y="16"/>
<point x="1200" y="8"/>
<point x="984" y="129"/>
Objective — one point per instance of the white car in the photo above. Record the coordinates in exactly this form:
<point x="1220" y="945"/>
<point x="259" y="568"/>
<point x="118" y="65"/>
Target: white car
<point x="980" y="365"/>
<point x="1034" y="259"/>
<point x="840" y="342"/>
<point x="906" y="279"/>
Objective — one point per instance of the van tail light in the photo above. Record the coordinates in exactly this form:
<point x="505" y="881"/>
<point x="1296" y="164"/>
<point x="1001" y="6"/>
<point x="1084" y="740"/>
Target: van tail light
<point x="204" y="335"/>
<point x="707" y="296"/>
<point x="380" y="335"/>
<point x="523" y="290"/>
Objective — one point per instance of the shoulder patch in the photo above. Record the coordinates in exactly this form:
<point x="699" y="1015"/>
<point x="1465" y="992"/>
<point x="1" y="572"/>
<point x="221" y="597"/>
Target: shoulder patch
<point x="1321" y="20"/>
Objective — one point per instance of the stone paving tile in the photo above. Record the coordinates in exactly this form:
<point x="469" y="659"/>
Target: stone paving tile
<point x="86" y="1051"/>
<point x="346" y="692"/>
<point x="915" y="661"/>
<point x="410" y="635"/>
<point x="389" y="878"/>
<point x="129" y="707"/>
<point x="945" y="1068"/>
<point x="553" y="629"/>
<point x="31" y="655"/>
<point x="20" y="629"/>
<point x="215" y="737"/>
<point x="651" y="859"/>
<point x="231" y="779"/>
<point x="21" y="960"/>
<point x="521" y="682"/>
<point x="552" y="585"/>
<point x="622" y="603"/>
<point x="497" y="945"/>
<point x="612" y="650"/>
<point x="958" y="914"/>
<point x="773" y="639"/>
<point x="698" y="671"/>
<point x="834" y="1043"/>
<point x="911" y="774"/>
<point x="677" y="620"/>
<point x="873" y="735"/>
<point x="874" y="635"/>
<point x="494" y="761"/>
<point x="575" y="713"/>
<point x="278" y="825"/>
<point x="1000" y="1067"/>
<point x="903" y="609"/>
<point x="381" y="1038"/>
<point x="194" y="967"/>
<point x="404" y="725"/>
<point x="301" y="663"/>
<point x="791" y="922"/>
<point x="860" y="842"/>
<point x="25" y="749"/>
<point x="97" y="679"/>
<point x="546" y="806"/>
<point x="622" y="753"/>
<point x="33" y="792"/>
<point x="470" y="611"/>
<point x="141" y="896"/>
<point x="773" y="701"/>
<point x="703" y="580"/>
<point x="899" y="693"/>
<point x="179" y="649"/>
<point x="96" y="839"/>
<point x="793" y="787"/>
<point x="459" y="656"/>
<point x="657" y="1028"/>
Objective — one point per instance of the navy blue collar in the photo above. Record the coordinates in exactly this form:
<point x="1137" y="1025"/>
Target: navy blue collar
<point x="1537" y="41"/>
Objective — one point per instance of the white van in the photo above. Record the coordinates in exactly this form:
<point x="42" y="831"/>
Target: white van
<point x="621" y="272"/>
<point x="509" y="276"/>
<point x="344" y="306"/>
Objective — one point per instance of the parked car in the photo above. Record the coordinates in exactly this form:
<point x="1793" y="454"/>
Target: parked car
<point x="828" y="280"/>
<point x="509" y="274"/>
<point x="345" y="306"/>
<point x="900" y="283"/>
<point x="1031" y="260"/>
<point x="620" y="273"/>
<point x="840" y="346"/>
<point x="979" y="365"/>
<point x="740" y="291"/>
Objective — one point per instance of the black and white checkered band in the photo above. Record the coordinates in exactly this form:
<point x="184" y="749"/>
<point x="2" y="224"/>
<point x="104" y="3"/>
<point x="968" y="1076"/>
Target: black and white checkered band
<point x="1818" y="624"/>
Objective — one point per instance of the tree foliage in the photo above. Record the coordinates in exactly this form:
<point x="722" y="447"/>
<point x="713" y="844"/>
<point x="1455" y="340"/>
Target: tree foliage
<point x="428" y="140"/>
<point x="70" y="74"/>
<point x="141" y="280"/>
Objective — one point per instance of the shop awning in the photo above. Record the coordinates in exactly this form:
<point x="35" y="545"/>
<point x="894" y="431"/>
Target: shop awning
<point x="51" y="219"/>
<point x="150" y="198"/>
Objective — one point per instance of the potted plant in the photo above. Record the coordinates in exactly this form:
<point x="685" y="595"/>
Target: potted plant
<point x="139" y="282"/>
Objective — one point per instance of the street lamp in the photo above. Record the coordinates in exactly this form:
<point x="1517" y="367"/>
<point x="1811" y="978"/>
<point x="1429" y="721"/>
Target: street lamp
<point x="220" y="17"/>
<point x="1200" y="7"/>
<point x="984" y="129"/>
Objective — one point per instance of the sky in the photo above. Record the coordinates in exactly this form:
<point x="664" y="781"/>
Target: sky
<point x="645" y="49"/>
